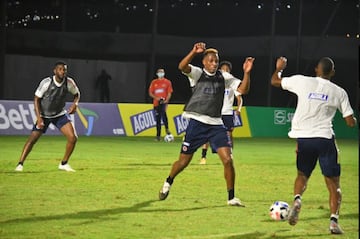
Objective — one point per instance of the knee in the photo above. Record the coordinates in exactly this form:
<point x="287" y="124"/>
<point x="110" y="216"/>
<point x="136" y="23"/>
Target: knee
<point x="72" y="139"/>
<point x="228" y="162"/>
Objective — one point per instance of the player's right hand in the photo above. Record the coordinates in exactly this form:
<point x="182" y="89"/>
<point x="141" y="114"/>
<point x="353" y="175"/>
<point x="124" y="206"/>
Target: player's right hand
<point x="40" y="123"/>
<point x="199" y="47"/>
<point x="281" y="63"/>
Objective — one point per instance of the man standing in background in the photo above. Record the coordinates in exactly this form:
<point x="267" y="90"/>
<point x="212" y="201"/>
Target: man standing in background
<point x="160" y="90"/>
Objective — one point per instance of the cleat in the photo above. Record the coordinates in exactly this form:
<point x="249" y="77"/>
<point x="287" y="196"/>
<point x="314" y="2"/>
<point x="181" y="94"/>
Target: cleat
<point x="235" y="202"/>
<point x="294" y="213"/>
<point x="202" y="161"/>
<point x="164" y="191"/>
<point x="66" y="167"/>
<point x="168" y="131"/>
<point x="335" y="228"/>
<point x="19" y="168"/>
<point x="157" y="139"/>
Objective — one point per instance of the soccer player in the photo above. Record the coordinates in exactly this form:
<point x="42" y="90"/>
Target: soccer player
<point x="227" y="113"/>
<point x="318" y="101"/>
<point x="49" y="103"/>
<point x="204" y="113"/>
<point x="160" y="90"/>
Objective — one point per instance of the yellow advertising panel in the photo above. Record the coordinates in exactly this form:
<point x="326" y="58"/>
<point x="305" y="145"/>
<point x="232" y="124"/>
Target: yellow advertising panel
<point x="139" y="120"/>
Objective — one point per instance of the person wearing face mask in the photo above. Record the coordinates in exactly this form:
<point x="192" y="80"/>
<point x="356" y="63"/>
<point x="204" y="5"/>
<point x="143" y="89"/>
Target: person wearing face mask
<point x="160" y="90"/>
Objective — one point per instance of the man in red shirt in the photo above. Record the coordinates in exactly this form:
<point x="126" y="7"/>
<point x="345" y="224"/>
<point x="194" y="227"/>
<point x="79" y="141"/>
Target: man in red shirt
<point x="160" y="90"/>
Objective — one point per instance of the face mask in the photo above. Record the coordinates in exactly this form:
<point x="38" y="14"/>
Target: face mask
<point x="160" y="74"/>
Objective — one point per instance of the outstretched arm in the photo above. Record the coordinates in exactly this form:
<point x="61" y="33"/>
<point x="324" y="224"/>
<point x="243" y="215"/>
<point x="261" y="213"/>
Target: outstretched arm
<point x="276" y="76"/>
<point x="184" y="63"/>
<point x="245" y="83"/>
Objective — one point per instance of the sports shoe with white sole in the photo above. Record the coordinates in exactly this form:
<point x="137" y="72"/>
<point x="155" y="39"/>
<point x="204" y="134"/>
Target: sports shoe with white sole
<point x="19" y="168"/>
<point x="335" y="228"/>
<point x="66" y="167"/>
<point x="235" y="202"/>
<point x="202" y="161"/>
<point x="164" y="191"/>
<point x="294" y="213"/>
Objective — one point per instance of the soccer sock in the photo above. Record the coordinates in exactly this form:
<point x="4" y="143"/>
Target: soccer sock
<point x="170" y="180"/>
<point x="231" y="194"/>
<point x="334" y="217"/>
<point x="297" y="197"/>
<point x="203" y="153"/>
<point x="63" y="162"/>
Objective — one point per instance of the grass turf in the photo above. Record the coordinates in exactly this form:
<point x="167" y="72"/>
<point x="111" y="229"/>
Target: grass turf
<point x="114" y="193"/>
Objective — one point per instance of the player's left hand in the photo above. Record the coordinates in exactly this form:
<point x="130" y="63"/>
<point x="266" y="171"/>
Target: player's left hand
<point x="248" y="64"/>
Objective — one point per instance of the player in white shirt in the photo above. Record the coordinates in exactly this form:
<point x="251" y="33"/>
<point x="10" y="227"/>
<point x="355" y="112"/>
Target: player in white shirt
<point x="49" y="103"/>
<point x="227" y="112"/>
<point x="318" y="101"/>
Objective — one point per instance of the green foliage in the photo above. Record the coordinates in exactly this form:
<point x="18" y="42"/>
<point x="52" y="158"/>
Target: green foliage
<point x="114" y="193"/>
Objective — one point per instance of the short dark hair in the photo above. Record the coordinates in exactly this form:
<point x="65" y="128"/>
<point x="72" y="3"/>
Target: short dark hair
<point x="228" y="63"/>
<point x="58" y="63"/>
<point x="327" y="65"/>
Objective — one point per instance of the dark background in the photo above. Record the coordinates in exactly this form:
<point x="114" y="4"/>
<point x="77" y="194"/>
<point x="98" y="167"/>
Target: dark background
<point x="117" y="34"/>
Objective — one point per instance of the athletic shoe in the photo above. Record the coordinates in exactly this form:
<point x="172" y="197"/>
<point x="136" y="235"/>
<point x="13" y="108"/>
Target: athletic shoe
<point x="157" y="139"/>
<point x="168" y="131"/>
<point x="203" y="161"/>
<point x="335" y="228"/>
<point x="19" y="168"/>
<point x="66" y="167"/>
<point x="235" y="202"/>
<point x="294" y="212"/>
<point x="164" y="191"/>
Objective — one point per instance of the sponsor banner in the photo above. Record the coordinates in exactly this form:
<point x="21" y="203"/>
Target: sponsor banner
<point x="269" y="121"/>
<point x="139" y="119"/>
<point x="18" y="117"/>
<point x="276" y="122"/>
<point x="241" y="122"/>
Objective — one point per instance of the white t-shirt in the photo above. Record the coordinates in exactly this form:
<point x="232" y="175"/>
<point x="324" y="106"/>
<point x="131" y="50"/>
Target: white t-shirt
<point x="318" y="100"/>
<point x="230" y="83"/>
<point x="229" y="95"/>
<point x="45" y="83"/>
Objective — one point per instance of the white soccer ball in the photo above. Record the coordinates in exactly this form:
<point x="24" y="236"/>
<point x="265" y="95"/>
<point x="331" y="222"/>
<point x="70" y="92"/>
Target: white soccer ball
<point x="279" y="211"/>
<point x="169" y="138"/>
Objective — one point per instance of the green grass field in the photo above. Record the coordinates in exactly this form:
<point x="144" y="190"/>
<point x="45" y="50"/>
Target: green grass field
<point x="114" y="193"/>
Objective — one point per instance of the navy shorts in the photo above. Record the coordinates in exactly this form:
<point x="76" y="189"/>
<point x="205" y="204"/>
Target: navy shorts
<point x="310" y="150"/>
<point x="58" y="122"/>
<point x="198" y="133"/>
<point x="228" y="122"/>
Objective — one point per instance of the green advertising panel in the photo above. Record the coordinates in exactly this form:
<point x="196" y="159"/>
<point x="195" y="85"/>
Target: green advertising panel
<point x="276" y="122"/>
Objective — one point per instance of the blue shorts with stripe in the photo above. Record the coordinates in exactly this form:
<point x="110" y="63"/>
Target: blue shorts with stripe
<point x="310" y="150"/>
<point x="198" y="133"/>
<point x="57" y="121"/>
<point x="228" y="122"/>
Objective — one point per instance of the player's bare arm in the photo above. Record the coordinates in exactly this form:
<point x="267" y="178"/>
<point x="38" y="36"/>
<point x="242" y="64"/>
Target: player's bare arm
<point x="39" y="119"/>
<point x="244" y="87"/>
<point x="74" y="105"/>
<point x="199" y="47"/>
<point x="276" y="76"/>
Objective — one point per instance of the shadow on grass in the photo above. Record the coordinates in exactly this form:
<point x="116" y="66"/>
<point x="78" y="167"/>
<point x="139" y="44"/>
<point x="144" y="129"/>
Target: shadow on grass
<point x="250" y="235"/>
<point x="101" y="214"/>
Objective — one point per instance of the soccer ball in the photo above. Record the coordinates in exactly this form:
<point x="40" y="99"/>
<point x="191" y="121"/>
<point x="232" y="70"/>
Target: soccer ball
<point x="169" y="138"/>
<point x="279" y="211"/>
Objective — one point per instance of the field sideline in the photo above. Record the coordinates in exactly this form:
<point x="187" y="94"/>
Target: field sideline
<point x="114" y="193"/>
